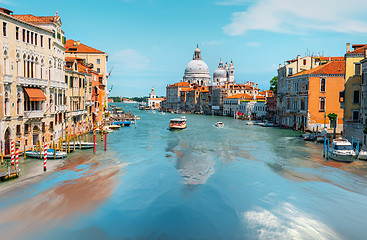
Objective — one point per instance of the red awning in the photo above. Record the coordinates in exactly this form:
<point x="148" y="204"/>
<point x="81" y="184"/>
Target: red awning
<point x="35" y="94"/>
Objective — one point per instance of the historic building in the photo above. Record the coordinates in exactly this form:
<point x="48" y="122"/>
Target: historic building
<point x="197" y="71"/>
<point x="223" y="74"/>
<point x="32" y="81"/>
<point x="153" y="101"/>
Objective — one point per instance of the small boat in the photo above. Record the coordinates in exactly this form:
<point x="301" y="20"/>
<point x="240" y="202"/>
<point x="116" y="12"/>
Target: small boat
<point x="114" y="126"/>
<point x="219" y="124"/>
<point x="250" y="123"/>
<point x="82" y="144"/>
<point x="341" y="150"/>
<point x="137" y="118"/>
<point x="126" y="123"/>
<point x="162" y="113"/>
<point x="321" y="136"/>
<point x="153" y="111"/>
<point x="177" y="123"/>
<point x="309" y="137"/>
<point x="50" y="154"/>
<point x="363" y="154"/>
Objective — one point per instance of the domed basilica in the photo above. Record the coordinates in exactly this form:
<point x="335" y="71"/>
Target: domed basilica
<point x="198" y="72"/>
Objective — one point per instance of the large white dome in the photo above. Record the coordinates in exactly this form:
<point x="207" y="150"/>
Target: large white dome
<point x="197" y="66"/>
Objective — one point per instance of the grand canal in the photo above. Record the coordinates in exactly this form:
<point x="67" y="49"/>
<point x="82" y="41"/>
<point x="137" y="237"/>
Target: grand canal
<point x="239" y="182"/>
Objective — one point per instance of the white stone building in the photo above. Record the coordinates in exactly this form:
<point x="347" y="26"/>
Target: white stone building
<point x="153" y="101"/>
<point x="197" y="71"/>
<point x="223" y="74"/>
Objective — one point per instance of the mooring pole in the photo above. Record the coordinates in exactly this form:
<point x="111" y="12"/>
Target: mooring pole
<point x="105" y="140"/>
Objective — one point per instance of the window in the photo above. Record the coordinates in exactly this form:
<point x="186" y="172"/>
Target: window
<point x="71" y="81"/>
<point x="31" y="37"/>
<point x="41" y="40"/>
<point x="288" y="103"/>
<point x="27" y="36"/>
<point x="18" y="130"/>
<point x="43" y="127"/>
<point x="4" y="29"/>
<point x="356" y="96"/>
<point x="290" y="71"/>
<point x="66" y="79"/>
<point x="357" y="68"/>
<point x="364" y="78"/>
<point x="302" y="103"/>
<point x="35" y="39"/>
<point x="98" y="70"/>
<point x="322" y="104"/>
<point x="98" y="61"/>
<point x="51" y="125"/>
<point x="17" y="33"/>
<point x="26" y="128"/>
<point x="304" y="61"/>
<point x="49" y="43"/>
<point x="23" y="35"/>
<point x="322" y="85"/>
<point x="355" y="115"/>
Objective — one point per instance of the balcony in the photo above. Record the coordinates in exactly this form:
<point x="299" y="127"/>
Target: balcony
<point x="78" y="112"/>
<point x="34" y="114"/>
<point x="61" y="108"/>
<point x="89" y="103"/>
<point x="8" y="79"/>
<point x="57" y="84"/>
<point x="24" y="81"/>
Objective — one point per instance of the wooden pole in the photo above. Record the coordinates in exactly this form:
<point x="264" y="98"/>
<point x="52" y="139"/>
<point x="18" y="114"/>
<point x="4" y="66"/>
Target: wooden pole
<point x="74" y="142"/>
<point x="39" y="143"/>
<point x="24" y="155"/>
<point x="54" y="150"/>
<point x="80" y="142"/>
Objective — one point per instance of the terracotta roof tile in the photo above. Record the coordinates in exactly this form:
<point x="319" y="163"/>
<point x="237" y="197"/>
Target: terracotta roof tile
<point x="34" y="19"/>
<point x="330" y="68"/>
<point x="358" y="48"/>
<point x="240" y="95"/>
<point x="77" y="47"/>
<point x="180" y="84"/>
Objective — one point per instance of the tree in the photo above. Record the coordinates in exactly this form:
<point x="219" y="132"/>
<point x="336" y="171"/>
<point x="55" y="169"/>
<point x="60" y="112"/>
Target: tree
<point x="273" y="83"/>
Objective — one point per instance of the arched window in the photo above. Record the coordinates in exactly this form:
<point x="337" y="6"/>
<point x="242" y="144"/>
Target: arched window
<point x="322" y="85"/>
<point x="322" y="104"/>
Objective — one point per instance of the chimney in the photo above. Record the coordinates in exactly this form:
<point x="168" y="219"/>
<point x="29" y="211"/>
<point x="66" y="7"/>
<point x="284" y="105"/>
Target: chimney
<point x="280" y="65"/>
<point x="348" y="47"/>
<point x="256" y="85"/>
<point x="78" y="42"/>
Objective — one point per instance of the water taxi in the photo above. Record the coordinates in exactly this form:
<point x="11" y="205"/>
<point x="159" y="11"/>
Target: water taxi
<point x="219" y="124"/>
<point x="341" y="150"/>
<point x="50" y="154"/>
<point x="177" y="123"/>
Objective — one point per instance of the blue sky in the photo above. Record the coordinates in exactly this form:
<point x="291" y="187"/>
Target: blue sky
<point x="150" y="42"/>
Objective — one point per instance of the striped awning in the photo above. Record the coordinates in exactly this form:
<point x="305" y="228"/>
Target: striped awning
<point x="35" y="94"/>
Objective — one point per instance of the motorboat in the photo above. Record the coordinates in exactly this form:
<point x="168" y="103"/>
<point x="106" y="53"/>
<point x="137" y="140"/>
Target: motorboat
<point x="219" y="124"/>
<point x="162" y="113"/>
<point x="114" y="126"/>
<point x="137" y="118"/>
<point x="79" y="145"/>
<point x="321" y="136"/>
<point x="50" y="154"/>
<point x="153" y="111"/>
<point x="177" y="123"/>
<point x="362" y="155"/>
<point x="250" y="123"/>
<point x="309" y="137"/>
<point x="126" y="123"/>
<point x="341" y="150"/>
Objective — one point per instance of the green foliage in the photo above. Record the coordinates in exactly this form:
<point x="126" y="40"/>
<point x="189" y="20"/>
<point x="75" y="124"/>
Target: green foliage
<point x="365" y="130"/>
<point x="332" y="116"/>
<point x="273" y="83"/>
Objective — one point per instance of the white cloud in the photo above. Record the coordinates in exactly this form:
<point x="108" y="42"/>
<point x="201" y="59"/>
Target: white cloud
<point x="129" y="60"/>
<point x="287" y="223"/>
<point x="299" y="17"/>
<point x="212" y="43"/>
<point x="252" y="44"/>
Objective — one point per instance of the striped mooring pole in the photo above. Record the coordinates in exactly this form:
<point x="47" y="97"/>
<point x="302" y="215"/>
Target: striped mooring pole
<point x="12" y="151"/>
<point x="16" y="158"/>
<point x="45" y="157"/>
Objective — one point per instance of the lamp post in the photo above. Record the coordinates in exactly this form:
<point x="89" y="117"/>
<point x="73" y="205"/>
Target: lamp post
<point x="324" y="119"/>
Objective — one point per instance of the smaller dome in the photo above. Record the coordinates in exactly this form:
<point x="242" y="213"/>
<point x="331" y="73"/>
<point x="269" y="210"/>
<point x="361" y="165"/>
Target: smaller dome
<point x="220" y="73"/>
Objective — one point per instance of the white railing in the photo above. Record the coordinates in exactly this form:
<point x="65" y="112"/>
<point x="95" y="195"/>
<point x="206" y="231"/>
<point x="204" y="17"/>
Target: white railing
<point x="57" y="84"/>
<point x="34" y="114"/>
<point x="8" y="78"/>
<point x="32" y="81"/>
<point x="78" y="112"/>
<point x="61" y="108"/>
<point x="89" y="103"/>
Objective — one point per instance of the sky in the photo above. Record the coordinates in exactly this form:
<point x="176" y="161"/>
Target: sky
<point x="150" y="42"/>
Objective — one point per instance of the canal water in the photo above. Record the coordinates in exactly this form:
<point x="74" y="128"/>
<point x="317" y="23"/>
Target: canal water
<point x="236" y="182"/>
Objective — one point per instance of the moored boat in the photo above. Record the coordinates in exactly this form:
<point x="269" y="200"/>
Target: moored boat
<point x="50" y="154"/>
<point x="362" y="155"/>
<point x="114" y="126"/>
<point x="321" y="136"/>
<point x="341" y="150"/>
<point x="126" y="123"/>
<point x="177" y="123"/>
<point x="78" y="145"/>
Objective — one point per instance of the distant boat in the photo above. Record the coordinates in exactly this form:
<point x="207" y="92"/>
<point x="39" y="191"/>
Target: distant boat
<point x="153" y="111"/>
<point x="362" y="154"/>
<point x="114" y="126"/>
<point x="219" y="124"/>
<point x="82" y="144"/>
<point x="162" y="113"/>
<point x="177" y="123"/>
<point x="127" y="123"/>
<point x="50" y="154"/>
<point x="341" y="150"/>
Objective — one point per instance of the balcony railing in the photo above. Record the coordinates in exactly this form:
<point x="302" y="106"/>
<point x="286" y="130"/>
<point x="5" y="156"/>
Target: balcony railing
<point x="60" y="108"/>
<point x="34" y="114"/>
<point x="8" y="79"/>
<point x="57" y="84"/>
<point x="89" y="103"/>
<point x="24" y="81"/>
<point x="78" y="112"/>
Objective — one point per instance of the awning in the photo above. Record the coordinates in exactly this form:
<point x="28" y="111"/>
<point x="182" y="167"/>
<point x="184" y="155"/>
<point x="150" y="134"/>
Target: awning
<point x="35" y="94"/>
